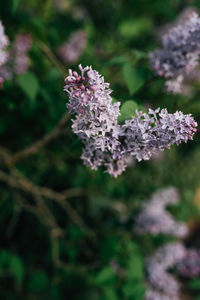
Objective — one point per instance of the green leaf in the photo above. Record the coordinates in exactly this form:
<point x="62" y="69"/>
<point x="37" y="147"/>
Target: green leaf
<point x="114" y="100"/>
<point x="133" y="28"/>
<point x="4" y="257"/>
<point x="135" y="267"/>
<point x="109" y="294"/>
<point x="105" y="276"/>
<point x="127" y="110"/>
<point x="75" y="233"/>
<point x="132" y="247"/>
<point x="109" y="247"/>
<point x="13" y="264"/>
<point x="134" y="290"/>
<point x="194" y="284"/>
<point x="139" y="55"/>
<point x="29" y="84"/>
<point x="37" y="27"/>
<point x="117" y="60"/>
<point x="16" y="267"/>
<point x="15" y="5"/>
<point x="134" y="78"/>
<point x="55" y="292"/>
<point x="38" y="281"/>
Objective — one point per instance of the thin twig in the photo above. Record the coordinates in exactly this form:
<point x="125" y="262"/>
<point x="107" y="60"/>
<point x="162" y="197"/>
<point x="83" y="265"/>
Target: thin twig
<point x="42" y="212"/>
<point x="32" y="149"/>
<point x="27" y="186"/>
<point x="52" y="57"/>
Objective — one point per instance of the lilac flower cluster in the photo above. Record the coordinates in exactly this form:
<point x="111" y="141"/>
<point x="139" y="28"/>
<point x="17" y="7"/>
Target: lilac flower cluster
<point x="179" y="55"/>
<point x="162" y="285"/>
<point x="181" y="19"/>
<point x="155" y="295"/>
<point x="157" y="156"/>
<point x="190" y="265"/>
<point x="112" y="145"/>
<point x="17" y="61"/>
<point x="3" y="51"/>
<point x="20" y="48"/>
<point x="154" y="218"/>
<point x="71" y="51"/>
<point x="158" y="265"/>
<point x="3" y="44"/>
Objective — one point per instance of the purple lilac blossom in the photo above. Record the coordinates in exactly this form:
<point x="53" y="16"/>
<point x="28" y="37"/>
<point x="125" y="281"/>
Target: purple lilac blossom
<point x="190" y="80"/>
<point x="19" y="52"/>
<point x="3" y="51"/>
<point x="155" y="295"/>
<point x="183" y="85"/>
<point x="112" y="145"/>
<point x="189" y="266"/>
<point x="157" y="156"/>
<point x="175" y="86"/>
<point x="156" y="130"/>
<point x="158" y="265"/>
<point x="96" y="119"/>
<point x="17" y="57"/>
<point x="154" y="218"/>
<point x="3" y="44"/>
<point x="6" y="71"/>
<point x="179" y="55"/>
<point x="71" y="51"/>
<point x="183" y="17"/>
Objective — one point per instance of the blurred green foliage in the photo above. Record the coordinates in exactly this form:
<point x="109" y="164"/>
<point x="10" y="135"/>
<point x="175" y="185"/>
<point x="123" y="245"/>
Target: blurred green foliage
<point x="35" y="261"/>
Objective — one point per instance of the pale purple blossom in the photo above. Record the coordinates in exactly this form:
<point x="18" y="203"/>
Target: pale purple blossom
<point x="157" y="156"/>
<point x="183" y="17"/>
<point x="19" y="53"/>
<point x="17" y="61"/>
<point x="160" y="263"/>
<point x="6" y="71"/>
<point x="112" y="145"/>
<point x="174" y="86"/>
<point x="156" y="295"/>
<point x="144" y="134"/>
<point x="161" y="284"/>
<point x="189" y="266"/>
<point x="71" y="50"/>
<point x="179" y="55"/>
<point x="96" y="117"/>
<point x="3" y="45"/>
<point x="155" y="219"/>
